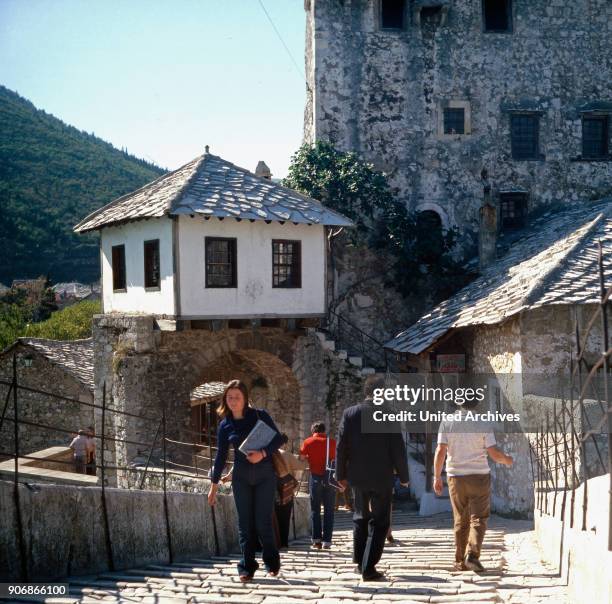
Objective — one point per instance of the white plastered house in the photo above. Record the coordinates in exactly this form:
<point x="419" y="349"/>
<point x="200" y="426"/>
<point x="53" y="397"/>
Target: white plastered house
<point x="211" y="240"/>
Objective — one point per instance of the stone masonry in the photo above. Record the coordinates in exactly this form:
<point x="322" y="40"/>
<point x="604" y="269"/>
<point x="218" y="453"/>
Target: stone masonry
<point x="382" y="93"/>
<point x="65" y="415"/>
<point x="418" y="568"/>
<point x="290" y="373"/>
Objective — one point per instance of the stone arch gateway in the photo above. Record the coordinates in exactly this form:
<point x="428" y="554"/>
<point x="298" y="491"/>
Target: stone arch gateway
<point x="145" y="369"/>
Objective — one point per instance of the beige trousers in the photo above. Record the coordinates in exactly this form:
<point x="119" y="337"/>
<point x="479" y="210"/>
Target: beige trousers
<point x="471" y="500"/>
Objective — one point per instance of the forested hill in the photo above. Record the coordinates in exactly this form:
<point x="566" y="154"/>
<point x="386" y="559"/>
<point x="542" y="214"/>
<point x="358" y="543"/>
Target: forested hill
<point x="51" y="176"/>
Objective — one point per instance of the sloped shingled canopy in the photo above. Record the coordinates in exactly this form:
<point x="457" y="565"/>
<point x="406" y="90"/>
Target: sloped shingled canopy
<point x="556" y="263"/>
<point x="209" y="391"/>
<point x="211" y="186"/>
<point x="75" y="357"/>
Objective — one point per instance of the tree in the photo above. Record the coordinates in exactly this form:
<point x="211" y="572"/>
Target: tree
<point x="17" y="320"/>
<point x="72" y="323"/>
<point x="420" y="252"/>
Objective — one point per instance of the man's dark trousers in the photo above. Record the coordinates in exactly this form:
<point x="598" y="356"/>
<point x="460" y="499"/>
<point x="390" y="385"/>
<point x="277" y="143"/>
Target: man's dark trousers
<point x="371" y="520"/>
<point x="321" y="494"/>
<point x="367" y="460"/>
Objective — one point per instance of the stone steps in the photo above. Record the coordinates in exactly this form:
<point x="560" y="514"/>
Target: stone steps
<point x="355" y="360"/>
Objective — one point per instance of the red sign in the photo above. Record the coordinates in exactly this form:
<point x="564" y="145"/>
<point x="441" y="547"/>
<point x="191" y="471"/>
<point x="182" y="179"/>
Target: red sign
<point x="450" y="363"/>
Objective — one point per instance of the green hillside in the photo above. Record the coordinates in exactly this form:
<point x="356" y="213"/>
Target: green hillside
<point x="51" y="176"/>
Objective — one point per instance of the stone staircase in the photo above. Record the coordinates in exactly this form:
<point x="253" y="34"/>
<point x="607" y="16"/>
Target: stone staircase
<point x="353" y="358"/>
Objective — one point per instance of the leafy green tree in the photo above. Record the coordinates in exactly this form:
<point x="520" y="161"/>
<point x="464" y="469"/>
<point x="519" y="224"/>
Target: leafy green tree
<point x="13" y="322"/>
<point x="51" y="176"/>
<point x="420" y="251"/>
<point x="71" y="323"/>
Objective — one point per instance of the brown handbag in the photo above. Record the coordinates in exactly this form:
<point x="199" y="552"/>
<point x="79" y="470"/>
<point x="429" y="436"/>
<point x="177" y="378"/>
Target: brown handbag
<point x="286" y="489"/>
<point x="280" y="466"/>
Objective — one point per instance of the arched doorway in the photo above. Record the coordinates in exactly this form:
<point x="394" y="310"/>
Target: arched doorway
<point x="271" y="382"/>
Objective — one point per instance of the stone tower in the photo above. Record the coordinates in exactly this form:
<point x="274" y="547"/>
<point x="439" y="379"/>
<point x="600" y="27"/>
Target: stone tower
<point x="433" y="91"/>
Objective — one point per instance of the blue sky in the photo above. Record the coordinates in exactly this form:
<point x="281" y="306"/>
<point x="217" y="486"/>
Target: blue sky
<point x="164" y="77"/>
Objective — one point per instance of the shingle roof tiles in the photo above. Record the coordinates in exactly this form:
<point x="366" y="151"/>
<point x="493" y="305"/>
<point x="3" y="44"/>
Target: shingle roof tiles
<point x="211" y="186"/>
<point x="75" y="357"/>
<point x="555" y="263"/>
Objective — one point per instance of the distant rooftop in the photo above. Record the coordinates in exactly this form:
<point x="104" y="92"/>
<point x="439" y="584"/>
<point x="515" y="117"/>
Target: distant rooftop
<point x="210" y="186"/>
<point x="555" y="262"/>
<point x="75" y="289"/>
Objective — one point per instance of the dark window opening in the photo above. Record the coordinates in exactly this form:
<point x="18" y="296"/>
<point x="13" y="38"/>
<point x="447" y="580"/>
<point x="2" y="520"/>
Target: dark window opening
<point x="497" y="15"/>
<point x="220" y="258"/>
<point x="286" y="263"/>
<point x="524" y="131"/>
<point x="151" y="264"/>
<point x="430" y="238"/>
<point x="513" y="210"/>
<point x="428" y="220"/>
<point x="204" y="421"/>
<point x="392" y="14"/>
<point x="454" y="120"/>
<point x="118" y="260"/>
<point x="595" y="137"/>
<point x="431" y="16"/>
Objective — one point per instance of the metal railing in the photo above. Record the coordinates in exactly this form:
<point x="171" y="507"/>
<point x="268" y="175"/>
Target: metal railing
<point x="357" y="342"/>
<point x="567" y="449"/>
<point x="170" y="451"/>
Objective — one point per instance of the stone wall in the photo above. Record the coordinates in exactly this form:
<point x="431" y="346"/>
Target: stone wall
<point x="64" y="529"/>
<point x="364" y="294"/>
<point x="579" y="554"/>
<point x="496" y="349"/>
<point x="328" y="384"/>
<point x="39" y="408"/>
<point x="290" y="374"/>
<point x="536" y="347"/>
<point x="547" y="334"/>
<point x="381" y="93"/>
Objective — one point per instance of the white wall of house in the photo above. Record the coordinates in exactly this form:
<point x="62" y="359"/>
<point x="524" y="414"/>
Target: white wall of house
<point x="254" y="294"/>
<point x="136" y="298"/>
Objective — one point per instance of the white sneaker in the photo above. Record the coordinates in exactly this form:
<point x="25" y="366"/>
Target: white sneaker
<point x="326" y="544"/>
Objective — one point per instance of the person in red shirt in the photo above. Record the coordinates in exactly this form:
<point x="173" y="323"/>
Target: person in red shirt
<point x="315" y="449"/>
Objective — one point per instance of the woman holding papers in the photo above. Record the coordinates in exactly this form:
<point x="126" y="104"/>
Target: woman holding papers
<point x="255" y="438"/>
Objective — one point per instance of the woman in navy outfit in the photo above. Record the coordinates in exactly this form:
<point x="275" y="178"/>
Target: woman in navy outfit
<point x="253" y="479"/>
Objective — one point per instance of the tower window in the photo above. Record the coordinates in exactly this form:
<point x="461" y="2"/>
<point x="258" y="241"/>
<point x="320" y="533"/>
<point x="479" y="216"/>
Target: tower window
<point x="151" y="264"/>
<point x="497" y="15"/>
<point x="513" y="210"/>
<point x="595" y="136"/>
<point x="118" y="262"/>
<point x="454" y="120"/>
<point x="286" y="263"/>
<point x="220" y="258"/>
<point x="392" y="14"/>
<point x="524" y="133"/>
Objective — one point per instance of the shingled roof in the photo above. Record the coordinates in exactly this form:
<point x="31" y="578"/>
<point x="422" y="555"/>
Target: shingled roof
<point x="211" y="186"/>
<point x="555" y="263"/>
<point x="207" y="392"/>
<point x="75" y="357"/>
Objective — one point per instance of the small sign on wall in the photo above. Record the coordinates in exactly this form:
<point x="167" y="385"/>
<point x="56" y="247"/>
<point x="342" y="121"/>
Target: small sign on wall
<point x="450" y="363"/>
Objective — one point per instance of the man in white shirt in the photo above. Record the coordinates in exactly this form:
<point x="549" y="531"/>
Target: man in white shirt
<point x="469" y="484"/>
<point x="80" y="448"/>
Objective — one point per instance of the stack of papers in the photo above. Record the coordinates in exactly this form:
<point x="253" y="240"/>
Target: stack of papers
<point x="259" y="437"/>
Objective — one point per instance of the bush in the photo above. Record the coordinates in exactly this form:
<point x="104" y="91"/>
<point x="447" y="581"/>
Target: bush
<point x="421" y="254"/>
<point x="13" y="322"/>
<point x="71" y="323"/>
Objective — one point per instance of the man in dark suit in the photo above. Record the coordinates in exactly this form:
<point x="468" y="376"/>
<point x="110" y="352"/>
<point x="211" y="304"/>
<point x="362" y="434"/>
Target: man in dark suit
<point x="367" y="461"/>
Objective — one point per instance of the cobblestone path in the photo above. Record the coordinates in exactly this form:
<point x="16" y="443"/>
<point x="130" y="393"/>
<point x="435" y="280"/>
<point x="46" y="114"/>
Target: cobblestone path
<point x="418" y="567"/>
